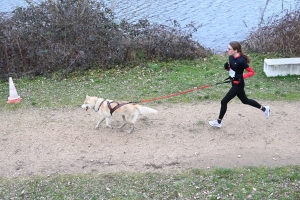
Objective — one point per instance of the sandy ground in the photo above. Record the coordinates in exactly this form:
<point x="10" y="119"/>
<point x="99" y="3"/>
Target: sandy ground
<point x="61" y="141"/>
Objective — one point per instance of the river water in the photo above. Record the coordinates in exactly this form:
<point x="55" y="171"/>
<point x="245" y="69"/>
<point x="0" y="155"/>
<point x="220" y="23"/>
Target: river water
<point x="221" y="21"/>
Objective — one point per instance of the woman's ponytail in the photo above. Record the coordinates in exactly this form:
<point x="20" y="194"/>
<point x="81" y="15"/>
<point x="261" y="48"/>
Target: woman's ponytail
<point x="246" y="57"/>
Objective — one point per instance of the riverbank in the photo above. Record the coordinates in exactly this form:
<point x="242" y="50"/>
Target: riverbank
<point x="213" y="28"/>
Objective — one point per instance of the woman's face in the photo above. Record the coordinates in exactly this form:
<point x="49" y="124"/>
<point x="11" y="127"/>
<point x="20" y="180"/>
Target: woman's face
<point x="230" y="51"/>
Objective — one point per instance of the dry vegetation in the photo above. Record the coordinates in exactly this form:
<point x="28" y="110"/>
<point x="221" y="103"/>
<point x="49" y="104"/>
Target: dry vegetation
<point x="64" y="36"/>
<point x="280" y="35"/>
<point x="75" y="35"/>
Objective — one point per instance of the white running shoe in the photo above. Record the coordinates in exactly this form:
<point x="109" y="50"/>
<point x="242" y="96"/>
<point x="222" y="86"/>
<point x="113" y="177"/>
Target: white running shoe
<point x="215" y="123"/>
<point x="267" y="111"/>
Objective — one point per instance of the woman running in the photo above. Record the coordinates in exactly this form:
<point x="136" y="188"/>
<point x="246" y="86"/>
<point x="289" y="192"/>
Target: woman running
<point x="238" y="61"/>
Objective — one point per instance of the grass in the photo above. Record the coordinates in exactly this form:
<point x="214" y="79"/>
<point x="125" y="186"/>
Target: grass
<point x="219" y="183"/>
<point x="154" y="80"/>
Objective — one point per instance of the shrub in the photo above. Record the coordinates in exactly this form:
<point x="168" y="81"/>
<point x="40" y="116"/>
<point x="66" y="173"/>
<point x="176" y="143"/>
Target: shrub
<point x="68" y="35"/>
<point x="280" y="35"/>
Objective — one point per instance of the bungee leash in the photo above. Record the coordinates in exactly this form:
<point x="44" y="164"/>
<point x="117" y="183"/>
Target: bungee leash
<point x="174" y="94"/>
<point x="227" y="80"/>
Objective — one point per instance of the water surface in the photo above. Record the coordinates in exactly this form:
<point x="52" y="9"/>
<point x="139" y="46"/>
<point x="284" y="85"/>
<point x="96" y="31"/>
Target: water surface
<point x="220" y="21"/>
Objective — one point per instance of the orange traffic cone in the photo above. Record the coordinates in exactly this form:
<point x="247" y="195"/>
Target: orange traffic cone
<point x="13" y="94"/>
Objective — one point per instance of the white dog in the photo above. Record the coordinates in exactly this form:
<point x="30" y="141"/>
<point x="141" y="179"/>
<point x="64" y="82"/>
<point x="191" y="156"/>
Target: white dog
<point x="109" y="108"/>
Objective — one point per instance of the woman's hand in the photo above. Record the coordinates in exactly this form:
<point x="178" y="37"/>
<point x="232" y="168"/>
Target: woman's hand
<point x="237" y="79"/>
<point x="226" y="65"/>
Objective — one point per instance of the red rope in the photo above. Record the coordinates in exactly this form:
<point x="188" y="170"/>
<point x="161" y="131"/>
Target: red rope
<point x="175" y="94"/>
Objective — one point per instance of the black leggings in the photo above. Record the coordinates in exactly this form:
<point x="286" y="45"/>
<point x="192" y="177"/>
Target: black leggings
<point x="240" y="93"/>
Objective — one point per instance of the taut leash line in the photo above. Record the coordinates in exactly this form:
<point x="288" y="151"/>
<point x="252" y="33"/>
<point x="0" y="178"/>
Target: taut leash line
<point x="227" y="80"/>
<point x="175" y="94"/>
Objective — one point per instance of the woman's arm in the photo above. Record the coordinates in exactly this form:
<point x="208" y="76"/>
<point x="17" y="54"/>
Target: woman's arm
<point x="250" y="72"/>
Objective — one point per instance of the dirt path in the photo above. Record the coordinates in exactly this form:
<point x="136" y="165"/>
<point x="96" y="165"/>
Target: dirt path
<point x="64" y="141"/>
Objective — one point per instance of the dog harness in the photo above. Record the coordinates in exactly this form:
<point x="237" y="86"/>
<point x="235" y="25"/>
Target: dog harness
<point x="99" y="105"/>
<point x="116" y="107"/>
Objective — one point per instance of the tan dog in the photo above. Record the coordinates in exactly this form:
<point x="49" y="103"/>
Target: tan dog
<point x="109" y="108"/>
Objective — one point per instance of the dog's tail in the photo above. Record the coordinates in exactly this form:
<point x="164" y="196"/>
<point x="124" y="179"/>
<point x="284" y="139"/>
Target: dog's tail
<point x="146" y="110"/>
